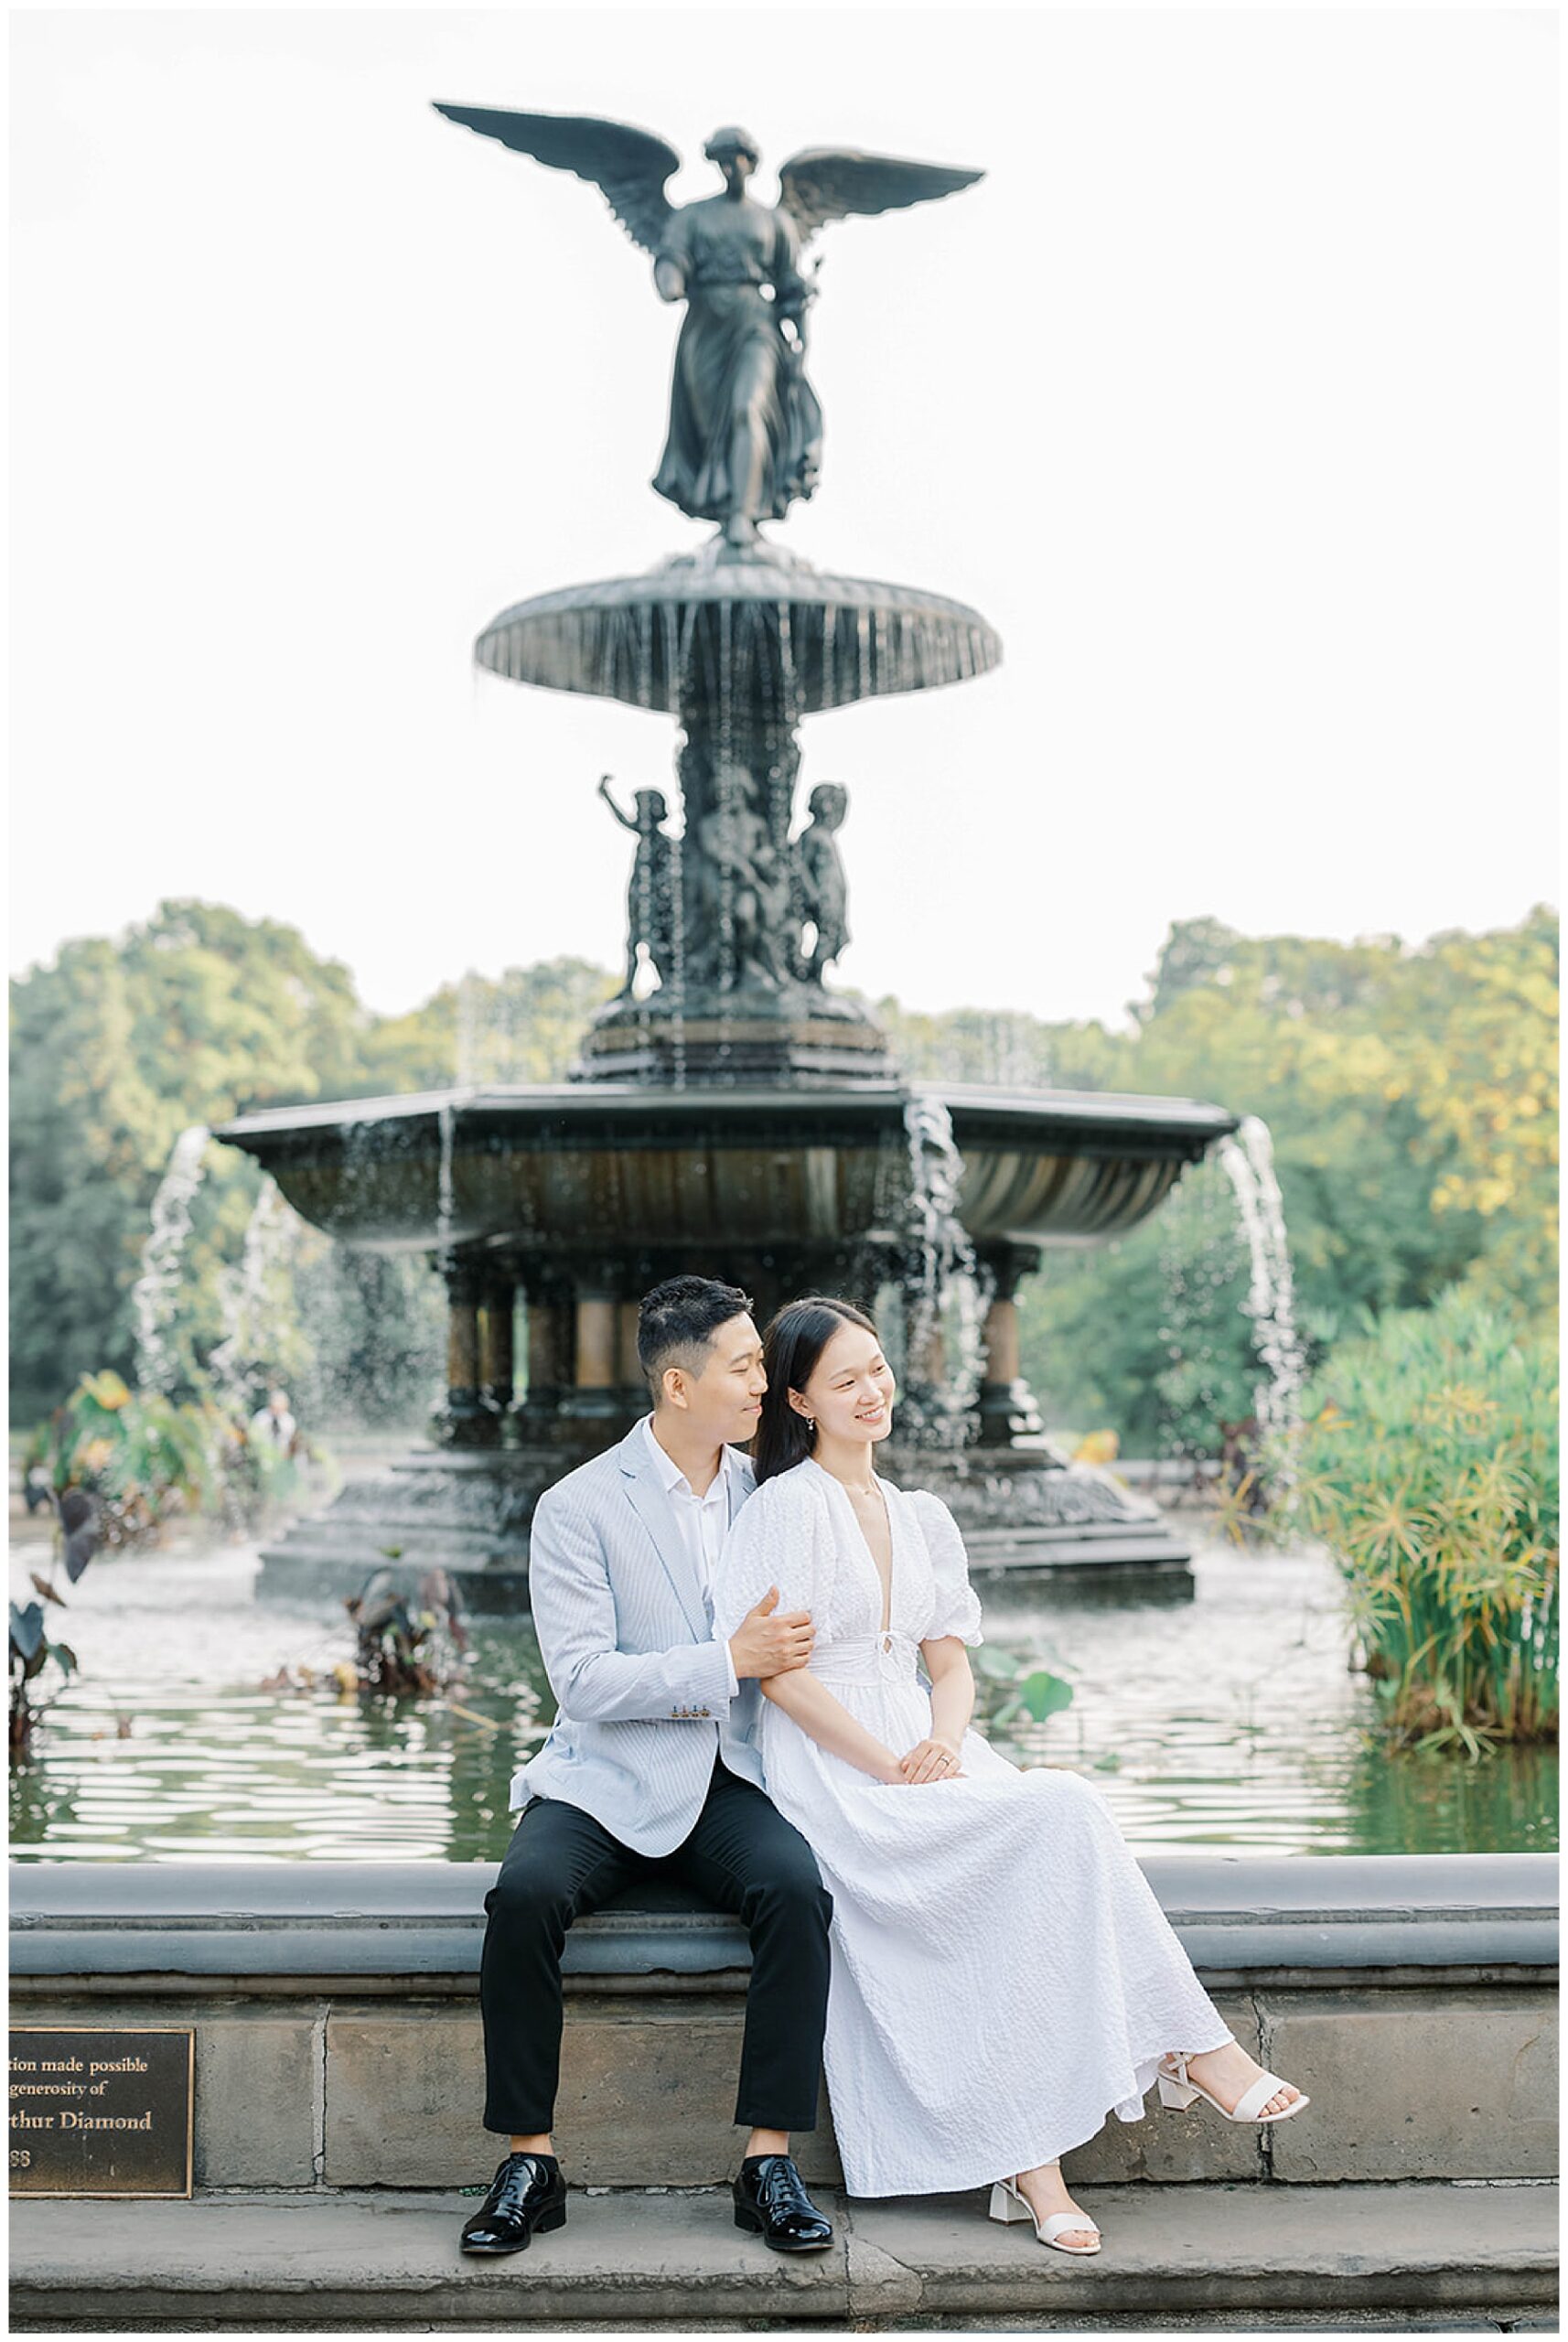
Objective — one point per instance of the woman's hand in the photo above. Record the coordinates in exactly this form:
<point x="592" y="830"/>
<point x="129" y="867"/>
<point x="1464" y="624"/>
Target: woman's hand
<point x="930" y="1760"/>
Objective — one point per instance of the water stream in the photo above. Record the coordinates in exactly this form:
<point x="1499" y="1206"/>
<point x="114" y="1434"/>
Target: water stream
<point x="154" y="1295"/>
<point x="1247" y="1160"/>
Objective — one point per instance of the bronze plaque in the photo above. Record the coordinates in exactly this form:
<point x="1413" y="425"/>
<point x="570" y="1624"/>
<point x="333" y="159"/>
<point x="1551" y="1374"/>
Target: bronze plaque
<point x="101" y="2111"/>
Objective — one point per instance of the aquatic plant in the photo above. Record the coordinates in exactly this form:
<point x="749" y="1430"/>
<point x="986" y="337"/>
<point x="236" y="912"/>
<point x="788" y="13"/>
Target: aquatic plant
<point x="405" y="1643"/>
<point x="1428" y="1463"/>
<point x="30" y="1653"/>
<point x="1021" y="1690"/>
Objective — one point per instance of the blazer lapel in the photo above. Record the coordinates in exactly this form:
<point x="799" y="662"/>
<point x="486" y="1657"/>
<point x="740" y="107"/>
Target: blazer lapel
<point x="741" y="1482"/>
<point x="653" y="1508"/>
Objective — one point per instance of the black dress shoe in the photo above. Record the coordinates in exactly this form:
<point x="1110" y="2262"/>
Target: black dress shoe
<point x="770" y="2200"/>
<point x="527" y="2193"/>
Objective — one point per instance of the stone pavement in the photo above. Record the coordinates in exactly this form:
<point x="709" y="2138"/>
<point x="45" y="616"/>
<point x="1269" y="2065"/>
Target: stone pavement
<point x="1421" y="2256"/>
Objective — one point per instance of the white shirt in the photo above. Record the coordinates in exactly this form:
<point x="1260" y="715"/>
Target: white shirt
<point x="703" y="1522"/>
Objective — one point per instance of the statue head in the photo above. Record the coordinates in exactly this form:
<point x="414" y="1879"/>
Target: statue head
<point x="651" y="809"/>
<point x="828" y="804"/>
<point x="736" y="152"/>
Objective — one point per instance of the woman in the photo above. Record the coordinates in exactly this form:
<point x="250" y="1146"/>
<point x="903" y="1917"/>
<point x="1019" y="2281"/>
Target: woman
<point x="1003" y="1975"/>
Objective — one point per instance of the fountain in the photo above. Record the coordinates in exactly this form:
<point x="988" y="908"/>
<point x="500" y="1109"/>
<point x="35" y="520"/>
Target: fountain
<point x="729" y="1113"/>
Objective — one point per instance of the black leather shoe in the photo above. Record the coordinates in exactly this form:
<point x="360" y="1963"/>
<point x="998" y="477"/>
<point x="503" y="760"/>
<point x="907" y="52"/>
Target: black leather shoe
<point x="770" y="2200"/>
<point x="527" y="2194"/>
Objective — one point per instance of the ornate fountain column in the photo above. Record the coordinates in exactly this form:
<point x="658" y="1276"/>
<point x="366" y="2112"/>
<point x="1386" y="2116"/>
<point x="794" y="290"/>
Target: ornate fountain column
<point x="464" y="1421"/>
<point x="497" y="1300"/>
<point x="548" y="1304"/>
<point x="595" y="1391"/>
<point x="1007" y="1408"/>
<point x="634" y="1396"/>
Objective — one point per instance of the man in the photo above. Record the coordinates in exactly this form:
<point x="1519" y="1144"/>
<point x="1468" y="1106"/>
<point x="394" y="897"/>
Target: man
<point x="273" y="1425"/>
<point x="649" y="1771"/>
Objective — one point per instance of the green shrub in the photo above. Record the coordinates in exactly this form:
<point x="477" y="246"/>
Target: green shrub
<point x="1428" y="1464"/>
<point x="141" y="1457"/>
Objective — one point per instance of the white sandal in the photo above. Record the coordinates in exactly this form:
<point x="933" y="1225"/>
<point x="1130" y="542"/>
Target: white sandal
<point x="1177" y="2089"/>
<point x="1008" y="2202"/>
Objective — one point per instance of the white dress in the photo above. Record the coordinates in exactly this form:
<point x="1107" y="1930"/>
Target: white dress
<point x="1003" y="1975"/>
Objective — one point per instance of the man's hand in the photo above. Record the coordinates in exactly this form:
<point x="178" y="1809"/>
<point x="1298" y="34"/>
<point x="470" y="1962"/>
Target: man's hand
<point x="930" y="1760"/>
<point x="765" y="1645"/>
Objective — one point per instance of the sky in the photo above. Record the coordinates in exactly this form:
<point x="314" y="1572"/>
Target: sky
<point x="1229" y="397"/>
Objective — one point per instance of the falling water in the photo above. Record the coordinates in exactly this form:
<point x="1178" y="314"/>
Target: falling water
<point x="600" y="638"/>
<point x="249" y="1300"/>
<point x="156" y="1293"/>
<point x="941" y="1265"/>
<point x="727" y="809"/>
<point x="447" y="1123"/>
<point x="1249" y="1161"/>
<point x="678" y="953"/>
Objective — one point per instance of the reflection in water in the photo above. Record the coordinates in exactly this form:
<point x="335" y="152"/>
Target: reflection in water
<point x="1233" y="1719"/>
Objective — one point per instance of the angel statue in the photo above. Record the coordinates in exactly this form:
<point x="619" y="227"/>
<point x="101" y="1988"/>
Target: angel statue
<point x="745" y="425"/>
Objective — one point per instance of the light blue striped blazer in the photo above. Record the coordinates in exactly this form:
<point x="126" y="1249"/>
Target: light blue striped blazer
<point x="641" y="1687"/>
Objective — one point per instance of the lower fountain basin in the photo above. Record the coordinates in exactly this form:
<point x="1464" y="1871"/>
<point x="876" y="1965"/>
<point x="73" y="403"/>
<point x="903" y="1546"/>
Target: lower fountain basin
<point x="551" y="1171"/>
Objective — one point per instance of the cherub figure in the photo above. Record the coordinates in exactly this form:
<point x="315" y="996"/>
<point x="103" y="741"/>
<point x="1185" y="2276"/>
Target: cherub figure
<point x="740" y="901"/>
<point x="821" y="894"/>
<point x="651" y="897"/>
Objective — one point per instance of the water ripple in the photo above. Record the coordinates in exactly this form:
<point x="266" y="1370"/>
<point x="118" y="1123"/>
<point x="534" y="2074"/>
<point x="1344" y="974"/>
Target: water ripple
<point x="1230" y="1719"/>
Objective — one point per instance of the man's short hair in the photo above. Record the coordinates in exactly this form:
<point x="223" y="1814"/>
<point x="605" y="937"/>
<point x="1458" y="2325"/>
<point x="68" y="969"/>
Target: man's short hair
<point x="677" y="1321"/>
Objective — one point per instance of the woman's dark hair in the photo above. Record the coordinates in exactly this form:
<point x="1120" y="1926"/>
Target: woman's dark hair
<point x="793" y="1343"/>
<point x="677" y="1321"/>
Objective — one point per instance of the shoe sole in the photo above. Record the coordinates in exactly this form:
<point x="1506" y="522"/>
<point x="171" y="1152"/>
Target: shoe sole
<point x="751" y="2225"/>
<point x="551" y="2220"/>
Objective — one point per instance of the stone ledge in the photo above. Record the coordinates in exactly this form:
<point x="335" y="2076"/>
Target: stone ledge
<point x="1234" y="1914"/>
<point x="385" y="2262"/>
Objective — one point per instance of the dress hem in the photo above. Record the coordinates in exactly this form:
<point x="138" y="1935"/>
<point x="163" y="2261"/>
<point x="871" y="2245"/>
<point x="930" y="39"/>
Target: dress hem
<point x="1006" y="2168"/>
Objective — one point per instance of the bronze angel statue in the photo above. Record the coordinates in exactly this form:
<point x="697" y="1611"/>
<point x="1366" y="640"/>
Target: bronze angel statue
<point x="745" y="425"/>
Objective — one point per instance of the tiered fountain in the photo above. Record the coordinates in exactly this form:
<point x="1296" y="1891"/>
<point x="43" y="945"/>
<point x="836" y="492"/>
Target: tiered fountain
<point x="729" y="1113"/>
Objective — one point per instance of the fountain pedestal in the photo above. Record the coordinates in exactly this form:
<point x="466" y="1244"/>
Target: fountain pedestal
<point x="583" y="1196"/>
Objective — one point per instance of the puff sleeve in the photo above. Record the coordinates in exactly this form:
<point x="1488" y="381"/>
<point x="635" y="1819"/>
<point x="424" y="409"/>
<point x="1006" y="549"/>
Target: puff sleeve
<point x="955" y="1609"/>
<point x="781" y="1537"/>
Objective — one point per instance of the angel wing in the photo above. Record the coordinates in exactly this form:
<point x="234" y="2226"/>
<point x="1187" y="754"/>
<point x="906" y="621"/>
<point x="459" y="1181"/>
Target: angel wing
<point x="630" y="167"/>
<point x="822" y="183"/>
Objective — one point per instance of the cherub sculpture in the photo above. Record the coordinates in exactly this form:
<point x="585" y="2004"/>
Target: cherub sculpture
<point x="822" y="896"/>
<point x="745" y="425"/>
<point x="650" y="895"/>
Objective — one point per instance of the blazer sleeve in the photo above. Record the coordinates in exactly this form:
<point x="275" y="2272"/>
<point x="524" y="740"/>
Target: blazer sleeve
<point x="779" y="1538"/>
<point x="575" y="1619"/>
<point x="956" y="1608"/>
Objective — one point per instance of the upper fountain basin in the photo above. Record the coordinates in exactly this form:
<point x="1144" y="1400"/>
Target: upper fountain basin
<point x="562" y="1169"/>
<point x="761" y="626"/>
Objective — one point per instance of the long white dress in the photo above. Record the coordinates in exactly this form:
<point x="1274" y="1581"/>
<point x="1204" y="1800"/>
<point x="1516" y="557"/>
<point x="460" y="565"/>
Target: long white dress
<point x="1003" y="1975"/>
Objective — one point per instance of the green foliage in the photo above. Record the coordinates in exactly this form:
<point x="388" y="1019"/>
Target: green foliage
<point x="1411" y="1097"/>
<point x="30" y="1653"/>
<point x="196" y="1016"/>
<point x="141" y="1459"/>
<point x="1020" y="1691"/>
<point x="1411" y="1093"/>
<point x="1429" y="1465"/>
<point x="115" y="1048"/>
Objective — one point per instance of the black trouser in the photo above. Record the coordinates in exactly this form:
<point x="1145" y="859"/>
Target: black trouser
<point x="744" y="1857"/>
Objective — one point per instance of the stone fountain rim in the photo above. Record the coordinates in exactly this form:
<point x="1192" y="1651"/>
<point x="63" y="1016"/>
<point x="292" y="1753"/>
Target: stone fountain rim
<point x="975" y="1103"/>
<point x="765" y="582"/>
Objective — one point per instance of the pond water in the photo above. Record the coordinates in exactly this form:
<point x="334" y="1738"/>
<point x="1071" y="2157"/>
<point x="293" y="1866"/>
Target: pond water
<point x="1230" y="1719"/>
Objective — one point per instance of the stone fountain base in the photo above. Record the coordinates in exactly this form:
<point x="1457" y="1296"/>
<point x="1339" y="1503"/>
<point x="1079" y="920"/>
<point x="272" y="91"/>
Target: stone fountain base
<point x="1026" y="1515"/>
